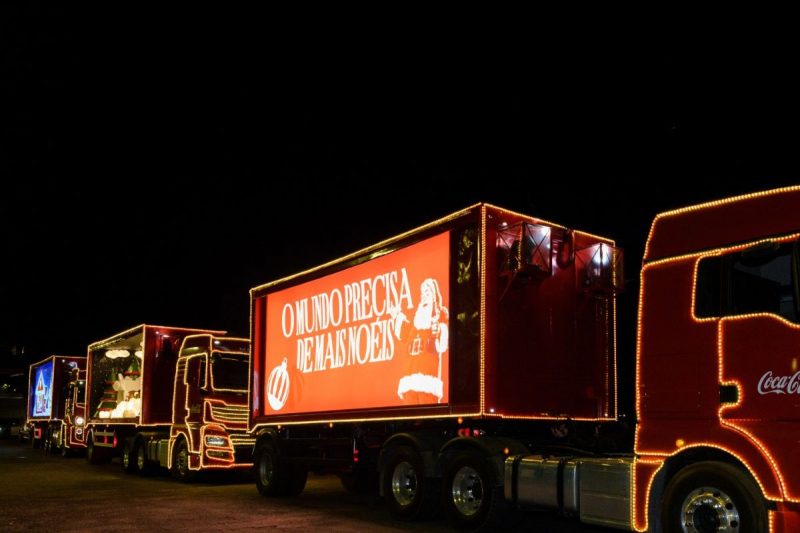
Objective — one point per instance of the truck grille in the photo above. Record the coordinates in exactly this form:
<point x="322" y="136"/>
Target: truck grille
<point x="242" y="448"/>
<point x="242" y="441"/>
<point x="231" y="414"/>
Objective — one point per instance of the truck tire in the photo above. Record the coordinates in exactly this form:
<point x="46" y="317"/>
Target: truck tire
<point x="409" y="494"/>
<point x="180" y="463"/>
<point x="129" y="458"/>
<point x="472" y="499"/>
<point x="48" y="441"/>
<point x="272" y="473"/>
<point x="54" y="438"/>
<point x="144" y="466"/>
<point x="95" y="456"/>
<point x="713" y="496"/>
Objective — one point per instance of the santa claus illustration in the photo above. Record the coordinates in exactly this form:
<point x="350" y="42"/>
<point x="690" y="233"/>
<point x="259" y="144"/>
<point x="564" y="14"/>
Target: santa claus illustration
<point x="425" y="340"/>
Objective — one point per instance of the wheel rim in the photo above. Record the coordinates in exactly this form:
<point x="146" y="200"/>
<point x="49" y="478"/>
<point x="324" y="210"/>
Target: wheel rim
<point x="140" y="457"/>
<point x="266" y="469"/>
<point x="707" y="510"/>
<point x="404" y="483"/>
<point x="183" y="461"/>
<point x="126" y="457"/>
<point x="467" y="491"/>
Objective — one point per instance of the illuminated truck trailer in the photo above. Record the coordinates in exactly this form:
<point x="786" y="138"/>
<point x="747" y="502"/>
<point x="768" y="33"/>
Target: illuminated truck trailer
<point x="432" y="354"/>
<point x="55" y="404"/>
<point x="169" y="397"/>
<point x="471" y="365"/>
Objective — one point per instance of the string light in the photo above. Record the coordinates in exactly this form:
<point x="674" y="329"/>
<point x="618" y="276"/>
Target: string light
<point x="482" y="333"/>
<point x="710" y="205"/>
<point x="373" y="251"/>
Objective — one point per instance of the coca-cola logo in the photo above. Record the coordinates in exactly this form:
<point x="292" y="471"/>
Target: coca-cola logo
<point x="769" y="384"/>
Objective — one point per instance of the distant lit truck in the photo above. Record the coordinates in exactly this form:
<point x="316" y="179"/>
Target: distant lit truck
<point x="56" y="415"/>
<point x="169" y="397"/>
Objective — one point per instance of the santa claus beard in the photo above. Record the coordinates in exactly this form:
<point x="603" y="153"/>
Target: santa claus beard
<point x="423" y="319"/>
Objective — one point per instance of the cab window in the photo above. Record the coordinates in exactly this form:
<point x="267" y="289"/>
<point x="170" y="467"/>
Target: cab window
<point x="761" y="279"/>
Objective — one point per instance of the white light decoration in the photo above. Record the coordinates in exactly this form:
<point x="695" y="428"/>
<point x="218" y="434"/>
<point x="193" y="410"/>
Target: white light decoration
<point x="114" y="354"/>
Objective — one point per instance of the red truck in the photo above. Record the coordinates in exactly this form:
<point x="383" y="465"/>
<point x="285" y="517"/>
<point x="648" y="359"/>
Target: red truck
<point x="55" y="404"/>
<point x="471" y="364"/>
<point x="169" y="397"/>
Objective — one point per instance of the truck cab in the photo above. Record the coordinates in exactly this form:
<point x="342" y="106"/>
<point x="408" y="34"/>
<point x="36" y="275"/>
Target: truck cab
<point x="718" y="379"/>
<point x="72" y="437"/>
<point x="210" y="405"/>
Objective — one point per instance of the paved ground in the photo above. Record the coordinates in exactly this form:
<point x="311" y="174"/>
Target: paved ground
<point x="39" y="493"/>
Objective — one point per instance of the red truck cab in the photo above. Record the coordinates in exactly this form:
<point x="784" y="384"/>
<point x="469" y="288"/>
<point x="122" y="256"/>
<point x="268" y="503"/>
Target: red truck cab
<point x="718" y="383"/>
<point x="210" y="405"/>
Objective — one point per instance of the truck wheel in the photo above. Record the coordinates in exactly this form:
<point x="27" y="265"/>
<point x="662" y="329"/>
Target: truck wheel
<point x="409" y="494"/>
<point x="53" y="440"/>
<point x="94" y="456"/>
<point x="713" y="496"/>
<point x="472" y="498"/>
<point x="271" y="472"/>
<point x="48" y="442"/>
<point x="65" y="451"/>
<point x="143" y="464"/>
<point x="180" y="463"/>
<point x="128" y="458"/>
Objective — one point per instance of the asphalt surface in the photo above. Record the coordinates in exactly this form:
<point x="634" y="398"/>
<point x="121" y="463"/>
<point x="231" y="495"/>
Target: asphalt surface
<point x="39" y="492"/>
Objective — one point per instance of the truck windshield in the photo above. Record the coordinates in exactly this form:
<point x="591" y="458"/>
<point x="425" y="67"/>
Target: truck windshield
<point x="229" y="371"/>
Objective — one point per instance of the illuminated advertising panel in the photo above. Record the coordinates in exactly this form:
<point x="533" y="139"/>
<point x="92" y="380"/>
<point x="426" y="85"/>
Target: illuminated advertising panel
<point x="42" y="390"/>
<point x="374" y="335"/>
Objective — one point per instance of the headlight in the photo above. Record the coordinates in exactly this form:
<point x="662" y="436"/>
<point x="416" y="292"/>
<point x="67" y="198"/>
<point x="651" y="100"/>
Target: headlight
<point x="79" y="420"/>
<point x="216" y="440"/>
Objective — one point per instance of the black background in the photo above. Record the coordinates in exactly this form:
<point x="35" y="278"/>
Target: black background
<point x="156" y="165"/>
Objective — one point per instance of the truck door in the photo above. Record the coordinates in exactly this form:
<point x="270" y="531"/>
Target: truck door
<point x="195" y="382"/>
<point x="759" y="349"/>
<point x="759" y="334"/>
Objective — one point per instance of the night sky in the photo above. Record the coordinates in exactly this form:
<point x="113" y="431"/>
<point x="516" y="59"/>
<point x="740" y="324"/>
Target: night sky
<point x="155" y="166"/>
